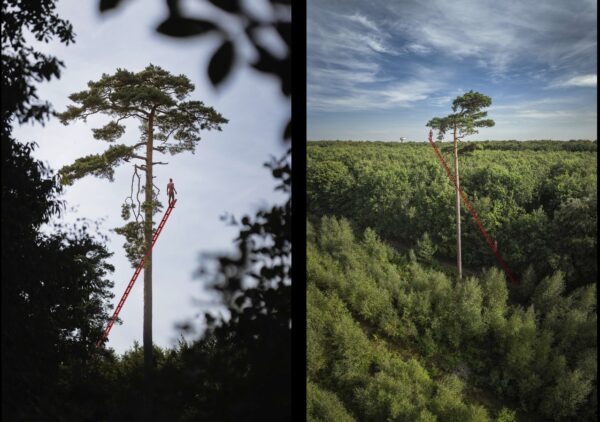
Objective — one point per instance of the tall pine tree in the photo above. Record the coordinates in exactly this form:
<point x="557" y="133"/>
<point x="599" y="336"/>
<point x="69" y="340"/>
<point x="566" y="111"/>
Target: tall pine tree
<point x="466" y="118"/>
<point x="168" y="123"/>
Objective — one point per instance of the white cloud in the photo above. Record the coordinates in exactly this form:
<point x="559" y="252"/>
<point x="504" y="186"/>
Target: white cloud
<point x="418" y="48"/>
<point x="550" y="114"/>
<point x="441" y="101"/>
<point x="345" y="53"/>
<point x="510" y="50"/>
<point x="402" y="94"/>
<point x="498" y="35"/>
<point x="581" y="81"/>
<point x="551" y="109"/>
<point x="363" y="20"/>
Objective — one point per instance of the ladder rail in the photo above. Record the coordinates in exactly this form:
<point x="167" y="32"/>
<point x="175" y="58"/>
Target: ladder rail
<point x="136" y="274"/>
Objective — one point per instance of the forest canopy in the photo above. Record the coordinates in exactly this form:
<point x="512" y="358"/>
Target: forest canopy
<point x="393" y="335"/>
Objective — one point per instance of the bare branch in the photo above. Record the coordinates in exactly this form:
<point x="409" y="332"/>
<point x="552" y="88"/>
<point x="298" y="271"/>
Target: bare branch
<point x="127" y="116"/>
<point x="136" y="213"/>
<point x="168" y="135"/>
<point x="137" y="196"/>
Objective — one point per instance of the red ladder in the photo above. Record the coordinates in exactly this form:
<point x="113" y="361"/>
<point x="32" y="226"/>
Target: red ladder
<point x="474" y="214"/>
<point x="136" y="274"/>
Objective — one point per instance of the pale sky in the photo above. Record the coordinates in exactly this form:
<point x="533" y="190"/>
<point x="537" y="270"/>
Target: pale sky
<point x="379" y="70"/>
<point x="224" y="175"/>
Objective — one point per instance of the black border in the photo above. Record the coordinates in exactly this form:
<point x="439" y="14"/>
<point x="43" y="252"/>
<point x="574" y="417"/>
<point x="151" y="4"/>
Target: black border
<point x="298" y="210"/>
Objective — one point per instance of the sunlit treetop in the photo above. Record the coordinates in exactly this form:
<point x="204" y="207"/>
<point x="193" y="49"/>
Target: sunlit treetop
<point x="467" y="116"/>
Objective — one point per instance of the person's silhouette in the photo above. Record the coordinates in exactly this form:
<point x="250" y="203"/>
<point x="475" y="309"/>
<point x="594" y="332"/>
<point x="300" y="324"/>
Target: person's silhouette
<point x="171" y="191"/>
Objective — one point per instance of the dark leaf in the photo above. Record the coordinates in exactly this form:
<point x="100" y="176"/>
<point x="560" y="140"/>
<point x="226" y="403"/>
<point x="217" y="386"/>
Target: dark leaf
<point x="266" y="61"/>
<point x="108" y="4"/>
<point x="221" y="63"/>
<point x="185" y="27"/>
<point x="281" y="68"/>
<point x="285" y="31"/>
<point x="231" y="6"/>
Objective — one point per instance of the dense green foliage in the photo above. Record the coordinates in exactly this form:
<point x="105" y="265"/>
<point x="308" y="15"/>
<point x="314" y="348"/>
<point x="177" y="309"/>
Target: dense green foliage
<point x="392" y="335"/>
<point x="54" y="285"/>
<point x="22" y="64"/>
<point x="54" y="289"/>
<point x="389" y="339"/>
<point x="538" y="199"/>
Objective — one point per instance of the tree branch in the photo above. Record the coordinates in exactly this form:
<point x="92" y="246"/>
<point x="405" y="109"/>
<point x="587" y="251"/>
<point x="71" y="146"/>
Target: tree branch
<point x="169" y="134"/>
<point x="124" y="117"/>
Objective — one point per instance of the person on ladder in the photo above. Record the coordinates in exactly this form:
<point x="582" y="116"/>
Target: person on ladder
<point x="171" y="191"/>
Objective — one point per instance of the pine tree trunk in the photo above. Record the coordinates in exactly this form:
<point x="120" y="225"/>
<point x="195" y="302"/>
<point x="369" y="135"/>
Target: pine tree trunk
<point x="148" y="358"/>
<point x="458" y="245"/>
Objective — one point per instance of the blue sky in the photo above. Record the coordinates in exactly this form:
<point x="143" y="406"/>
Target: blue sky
<point x="379" y="70"/>
<point x="224" y="175"/>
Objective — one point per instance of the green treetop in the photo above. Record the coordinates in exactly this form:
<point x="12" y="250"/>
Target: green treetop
<point x="467" y="116"/>
<point x="155" y="98"/>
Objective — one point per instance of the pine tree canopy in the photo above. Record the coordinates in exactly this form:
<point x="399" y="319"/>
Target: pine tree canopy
<point x="154" y="97"/>
<point x="467" y="116"/>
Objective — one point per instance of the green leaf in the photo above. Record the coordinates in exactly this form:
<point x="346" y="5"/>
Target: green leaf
<point x="221" y="63"/>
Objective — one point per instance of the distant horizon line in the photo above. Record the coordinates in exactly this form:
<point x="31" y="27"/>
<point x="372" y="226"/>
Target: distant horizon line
<point x="462" y="140"/>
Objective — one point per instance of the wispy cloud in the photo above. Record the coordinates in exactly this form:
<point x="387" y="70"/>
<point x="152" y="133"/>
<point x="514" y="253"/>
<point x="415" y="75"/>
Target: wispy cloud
<point x="346" y="68"/>
<point x="545" y="102"/>
<point x="417" y="48"/>
<point x="499" y="36"/>
<point x="363" y="20"/>
<point x="360" y="98"/>
<point x="411" y="58"/>
<point x="549" y="108"/>
<point x="578" y="81"/>
<point x="538" y="114"/>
